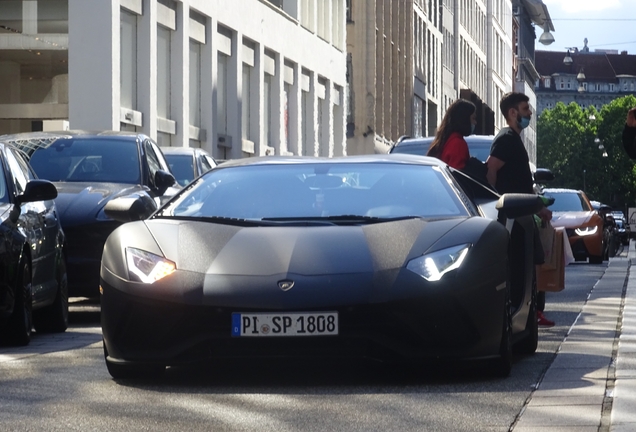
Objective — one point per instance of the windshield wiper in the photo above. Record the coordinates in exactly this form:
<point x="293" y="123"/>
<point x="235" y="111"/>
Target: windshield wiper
<point x="248" y="222"/>
<point x="343" y="219"/>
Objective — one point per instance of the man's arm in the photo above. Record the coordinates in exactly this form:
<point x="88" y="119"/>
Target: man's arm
<point x="494" y="165"/>
<point x="629" y="134"/>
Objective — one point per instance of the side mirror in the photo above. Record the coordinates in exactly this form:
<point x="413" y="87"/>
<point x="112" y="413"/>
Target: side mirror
<point x="543" y="175"/>
<point x="37" y="190"/>
<point x="131" y="208"/>
<point x="514" y="205"/>
<point x="163" y="180"/>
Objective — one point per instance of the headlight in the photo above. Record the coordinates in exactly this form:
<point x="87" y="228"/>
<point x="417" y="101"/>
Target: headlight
<point x="586" y="231"/>
<point x="147" y="267"/>
<point x="434" y="265"/>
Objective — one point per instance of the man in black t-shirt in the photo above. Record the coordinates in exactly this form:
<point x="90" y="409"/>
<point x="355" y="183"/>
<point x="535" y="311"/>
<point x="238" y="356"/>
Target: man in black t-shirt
<point x="509" y="172"/>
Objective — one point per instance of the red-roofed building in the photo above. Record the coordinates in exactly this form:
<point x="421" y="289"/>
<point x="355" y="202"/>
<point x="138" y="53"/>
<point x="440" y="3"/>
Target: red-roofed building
<point x="590" y="79"/>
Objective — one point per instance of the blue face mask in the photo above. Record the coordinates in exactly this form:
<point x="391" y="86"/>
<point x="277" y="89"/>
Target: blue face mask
<point x="472" y="128"/>
<point x="523" y="122"/>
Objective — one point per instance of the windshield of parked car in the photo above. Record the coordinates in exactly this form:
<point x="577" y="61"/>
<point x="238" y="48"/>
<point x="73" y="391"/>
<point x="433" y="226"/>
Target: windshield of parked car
<point x="319" y="191"/>
<point x="4" y="196"/>
<point x="88" y="160"/>
<point x="568" y="202"/>
<point x="182" y="167"/>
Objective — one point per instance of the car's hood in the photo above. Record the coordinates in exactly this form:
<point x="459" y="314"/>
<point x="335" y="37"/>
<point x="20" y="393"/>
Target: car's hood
<point x="216" y="249"/>
<point x="80" y="202"/>
<point x="571" y="219"/>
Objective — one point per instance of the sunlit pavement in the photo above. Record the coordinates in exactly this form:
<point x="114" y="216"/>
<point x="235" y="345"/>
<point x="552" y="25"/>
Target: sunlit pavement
<point x="591" y="384"/>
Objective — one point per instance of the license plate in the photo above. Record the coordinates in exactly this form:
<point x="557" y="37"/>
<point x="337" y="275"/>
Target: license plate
<point x="284" y="324"/>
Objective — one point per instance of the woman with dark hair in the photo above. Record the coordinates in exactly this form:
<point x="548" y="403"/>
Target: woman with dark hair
<point x="449" y="144"/>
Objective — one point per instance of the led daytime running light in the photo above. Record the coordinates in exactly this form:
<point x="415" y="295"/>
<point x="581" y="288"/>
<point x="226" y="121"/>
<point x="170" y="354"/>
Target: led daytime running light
<point x="147" y="267"/>
<point x="586" y="231"/>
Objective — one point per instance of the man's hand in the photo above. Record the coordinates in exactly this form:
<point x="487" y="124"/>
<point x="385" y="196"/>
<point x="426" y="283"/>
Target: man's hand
<point x="631" y="118"/>
<point x="545" y="214"/>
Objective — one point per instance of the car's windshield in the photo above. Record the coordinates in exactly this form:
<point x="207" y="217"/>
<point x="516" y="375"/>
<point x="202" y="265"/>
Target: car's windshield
<point x="88" y="160"/>
<point x="182" y="167"/>
<point x="4" y="196"/>
<point x="568" y="202"/>
<point x="319" y="191"/>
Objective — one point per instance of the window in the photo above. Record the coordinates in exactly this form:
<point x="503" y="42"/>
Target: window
<point x="128" y="59"/>
<point x="195" y="83"/>
<point x="562" y="85"/>
<point x="267" y="105"/>
<point x="612" y="87"/>
<point x="599" y="87"/>
<point x="246" y="123"/>
<point x="547" y="83"/>
<point x="221" y="96"/>
<point x="164" y="38"/>
<point x="19" y="177"/>
<point x="418" y="117"/>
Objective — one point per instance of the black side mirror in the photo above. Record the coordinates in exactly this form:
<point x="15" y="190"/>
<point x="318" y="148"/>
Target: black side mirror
<point x="514" y="205"/>
<point x="163" y="180"/>
<point x="130" y="208"/>
<point x="543" y="175"/>
<point x="37" y="190"/>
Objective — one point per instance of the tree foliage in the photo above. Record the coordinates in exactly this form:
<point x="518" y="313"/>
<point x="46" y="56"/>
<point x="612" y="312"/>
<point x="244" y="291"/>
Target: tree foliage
<point x="568" y="140"/>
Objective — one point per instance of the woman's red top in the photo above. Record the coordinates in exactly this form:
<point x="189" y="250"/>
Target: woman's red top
<point x="455" y="152"/>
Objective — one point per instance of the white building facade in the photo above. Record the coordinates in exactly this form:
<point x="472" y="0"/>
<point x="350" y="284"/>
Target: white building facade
<point x="237" y="78"/>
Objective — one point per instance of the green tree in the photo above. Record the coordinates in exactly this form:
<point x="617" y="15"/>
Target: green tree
<point x="568" y="141"/>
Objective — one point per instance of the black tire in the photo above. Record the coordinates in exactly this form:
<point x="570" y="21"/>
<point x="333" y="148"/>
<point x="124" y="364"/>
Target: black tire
<point x="20" y="322"/>
<point x="132" y="371"/>
<point x="502" y="366"/>
<point x="530" y="342"/>
<point x="54" y="318"/>
<point x="595" y="259"/>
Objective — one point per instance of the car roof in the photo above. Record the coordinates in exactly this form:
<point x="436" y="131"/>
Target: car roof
<point x="35" y="140"/>
<point x="471" y="139"/>
<point x="182" y="150"/>
<point x="370" y="158"/>
<point x="562" y="190"/>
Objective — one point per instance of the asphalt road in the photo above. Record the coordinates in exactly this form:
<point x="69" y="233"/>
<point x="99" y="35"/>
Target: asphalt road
<point x="60" y="383"/>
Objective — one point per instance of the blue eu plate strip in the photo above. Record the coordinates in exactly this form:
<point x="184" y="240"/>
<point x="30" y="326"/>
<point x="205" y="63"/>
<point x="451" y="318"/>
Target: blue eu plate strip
<point x="236" y="324"/>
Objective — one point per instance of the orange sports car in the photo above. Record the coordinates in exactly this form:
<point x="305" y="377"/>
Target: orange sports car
<point x="573" y="211"/>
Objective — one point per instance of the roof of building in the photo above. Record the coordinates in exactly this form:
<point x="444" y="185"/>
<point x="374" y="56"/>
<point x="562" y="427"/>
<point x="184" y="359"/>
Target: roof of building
<point x="595" y="65"/>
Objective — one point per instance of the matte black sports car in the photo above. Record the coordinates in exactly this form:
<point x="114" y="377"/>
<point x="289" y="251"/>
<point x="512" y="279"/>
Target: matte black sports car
<point x="89" y="169"/>
<point x="188" y="163"/>
<point x="383" y="256"/>
<point x="33" y="290"/>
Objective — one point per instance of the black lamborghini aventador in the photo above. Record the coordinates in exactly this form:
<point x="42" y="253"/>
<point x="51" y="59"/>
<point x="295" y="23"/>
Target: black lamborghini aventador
<point x="379" y="256"/>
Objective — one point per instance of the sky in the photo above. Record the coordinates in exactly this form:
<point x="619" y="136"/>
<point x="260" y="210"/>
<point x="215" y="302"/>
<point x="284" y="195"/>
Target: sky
<point x="607" y="24"/>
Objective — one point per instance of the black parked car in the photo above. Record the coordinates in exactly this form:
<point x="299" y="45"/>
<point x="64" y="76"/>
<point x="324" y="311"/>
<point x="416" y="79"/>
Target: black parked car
<point x="33" y="283"/>
<point x="478" y="145"/>
<point x="89" y="169"/>
<point x="624" y="232"/>
<point x="188" y="163"/>
<point x="380" y="256"/>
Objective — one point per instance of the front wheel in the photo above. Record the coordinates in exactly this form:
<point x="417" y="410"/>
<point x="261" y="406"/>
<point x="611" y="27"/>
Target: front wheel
<point x="502" y="365"/>
<point x="596" y="259"/>
<point x="54" y="318"/>
<point x="530" y="342"/>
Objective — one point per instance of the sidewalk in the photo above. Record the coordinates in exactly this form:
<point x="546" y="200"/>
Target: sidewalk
<point x="591" y="384"/>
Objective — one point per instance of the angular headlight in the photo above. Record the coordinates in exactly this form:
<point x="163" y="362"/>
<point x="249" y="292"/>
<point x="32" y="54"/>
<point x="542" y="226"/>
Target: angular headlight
<point x="147" y="267"/>
<point x="434" y="265"/>
<point x="585" y="231"/>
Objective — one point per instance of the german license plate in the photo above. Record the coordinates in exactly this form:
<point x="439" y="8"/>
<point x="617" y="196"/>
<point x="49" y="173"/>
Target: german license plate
<point x="285" y="324"/>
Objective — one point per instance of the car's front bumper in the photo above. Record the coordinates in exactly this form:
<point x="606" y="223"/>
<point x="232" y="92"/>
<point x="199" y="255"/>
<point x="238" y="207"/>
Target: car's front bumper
<point x="463" y="323"/>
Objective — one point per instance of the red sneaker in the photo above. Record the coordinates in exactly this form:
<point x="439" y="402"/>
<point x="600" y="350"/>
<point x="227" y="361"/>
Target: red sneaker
<point x="543" y="321"/>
